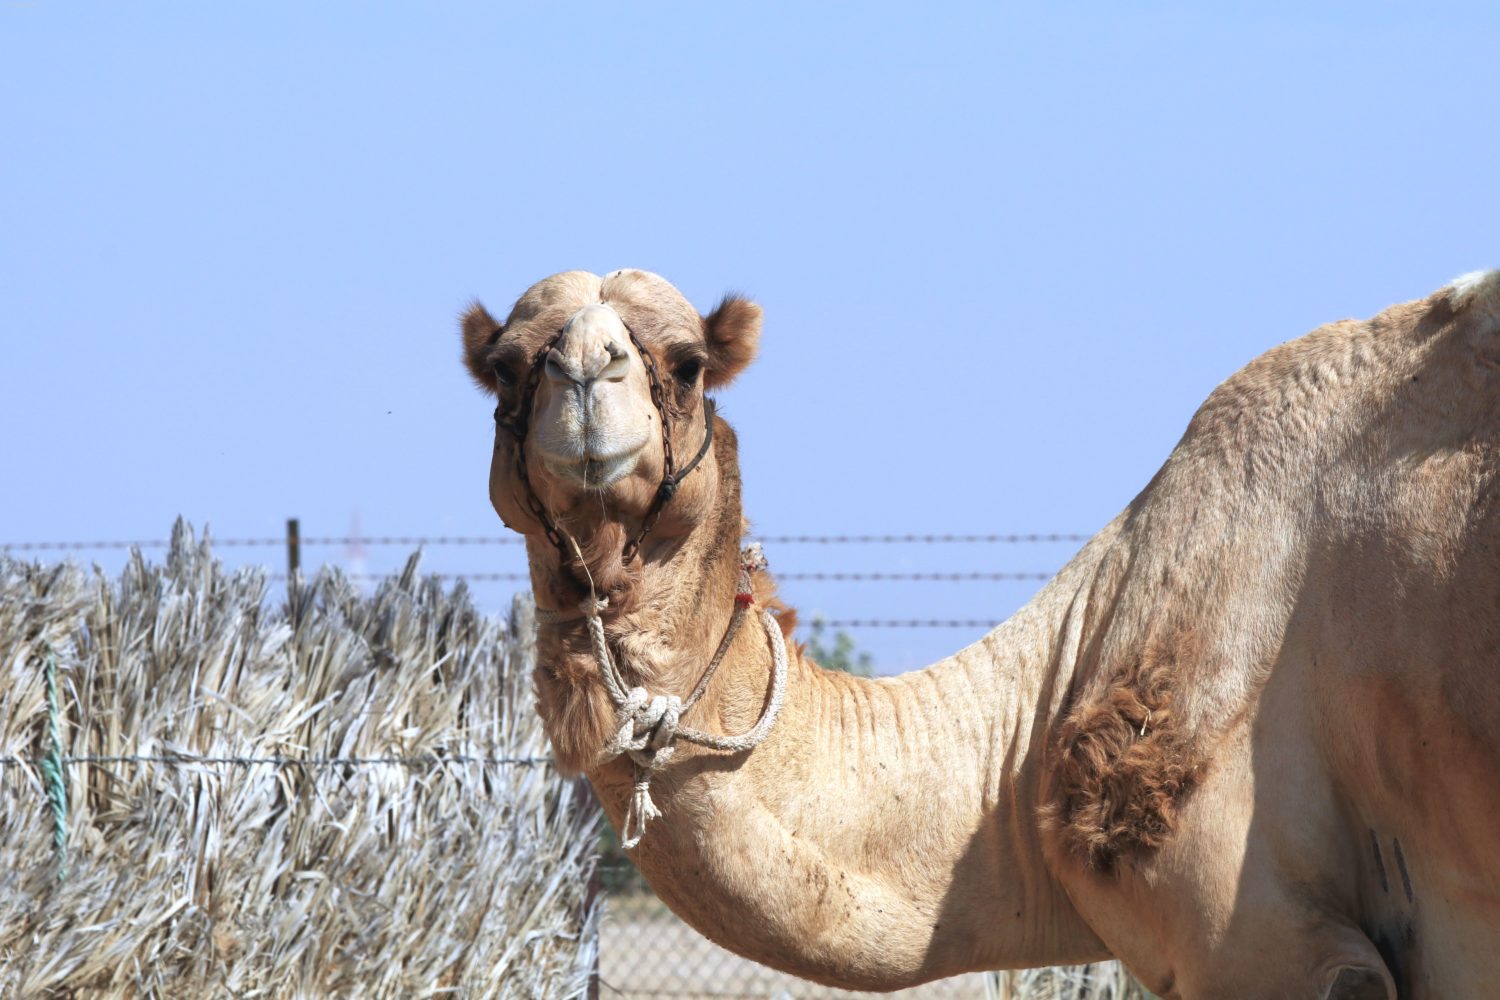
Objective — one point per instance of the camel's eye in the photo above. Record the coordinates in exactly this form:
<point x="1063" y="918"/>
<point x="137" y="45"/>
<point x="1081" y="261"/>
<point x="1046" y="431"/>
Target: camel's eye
<point x="504" y="377"/>
<point x="687" y="372"/>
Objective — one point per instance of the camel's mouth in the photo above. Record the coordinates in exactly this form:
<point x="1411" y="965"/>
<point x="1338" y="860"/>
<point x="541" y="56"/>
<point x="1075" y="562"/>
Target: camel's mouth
<point x="592" y="439"/>
<point x="595" y="474"/>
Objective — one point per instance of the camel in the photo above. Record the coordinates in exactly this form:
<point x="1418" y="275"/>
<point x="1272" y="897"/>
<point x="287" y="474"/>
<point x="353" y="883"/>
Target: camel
<point x="1247" y="741"/>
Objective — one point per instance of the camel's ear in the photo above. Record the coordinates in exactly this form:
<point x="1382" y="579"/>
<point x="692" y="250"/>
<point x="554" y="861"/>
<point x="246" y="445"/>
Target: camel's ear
<point x="733" y="335"/>
<point x="480" y="333"/>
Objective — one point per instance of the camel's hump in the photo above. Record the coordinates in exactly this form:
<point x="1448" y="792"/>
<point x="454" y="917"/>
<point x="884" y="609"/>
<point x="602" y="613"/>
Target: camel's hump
<point x="1477" y="292"/>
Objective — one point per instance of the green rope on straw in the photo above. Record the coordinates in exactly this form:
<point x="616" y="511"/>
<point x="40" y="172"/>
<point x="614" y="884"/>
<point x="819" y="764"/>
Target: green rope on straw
<point x="52" y="772"/>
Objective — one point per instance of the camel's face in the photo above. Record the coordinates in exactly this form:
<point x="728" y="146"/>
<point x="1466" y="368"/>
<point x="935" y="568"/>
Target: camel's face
<point x="593" y="413"/>
<point x="593" y="429"/>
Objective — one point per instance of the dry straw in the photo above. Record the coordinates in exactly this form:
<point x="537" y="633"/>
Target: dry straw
<point x="1100" y="981"/>
<point x="328" y="801"/>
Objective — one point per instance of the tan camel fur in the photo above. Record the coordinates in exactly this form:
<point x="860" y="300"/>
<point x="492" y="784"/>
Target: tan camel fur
<point x="1248" y="740"/>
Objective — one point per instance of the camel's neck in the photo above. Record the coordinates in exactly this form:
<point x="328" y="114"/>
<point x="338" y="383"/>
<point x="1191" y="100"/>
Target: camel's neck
<point x="886" y="832"/>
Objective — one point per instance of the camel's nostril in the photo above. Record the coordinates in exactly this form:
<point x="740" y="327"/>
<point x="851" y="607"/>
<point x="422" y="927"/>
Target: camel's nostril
<point x="618" y="366"/>
<point x="560" y="368"/>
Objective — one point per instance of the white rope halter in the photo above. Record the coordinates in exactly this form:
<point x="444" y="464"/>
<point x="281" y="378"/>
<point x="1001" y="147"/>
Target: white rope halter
<point x="647" y="724"/>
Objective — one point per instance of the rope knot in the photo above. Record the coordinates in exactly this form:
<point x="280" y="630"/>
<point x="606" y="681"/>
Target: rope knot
<point x="646" y="724"/>
<point x="753" y="558"/>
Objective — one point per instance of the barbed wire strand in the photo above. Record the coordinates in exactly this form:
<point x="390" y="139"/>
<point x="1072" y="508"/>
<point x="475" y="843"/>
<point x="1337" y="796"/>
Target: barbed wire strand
<point x="831" y="577"/>
<point x="918" y="577"/>
<point x="194" y="760"/>
<point x="459" y="540"/>
<point x="985" y="623"/>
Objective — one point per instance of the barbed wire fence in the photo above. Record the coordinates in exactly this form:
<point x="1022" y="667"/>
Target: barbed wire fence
<point x="644" y="950"/>
<point x="459" y="540"/>
<point x="293" y="542"/>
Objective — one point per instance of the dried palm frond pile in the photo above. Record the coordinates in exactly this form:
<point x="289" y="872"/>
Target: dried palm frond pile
<point x="337" y="795"/>
<point x="1100" y="981"/>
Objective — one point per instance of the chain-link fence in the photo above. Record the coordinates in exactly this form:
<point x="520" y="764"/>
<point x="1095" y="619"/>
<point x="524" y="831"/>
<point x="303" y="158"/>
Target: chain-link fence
<point x="647" y="952"/>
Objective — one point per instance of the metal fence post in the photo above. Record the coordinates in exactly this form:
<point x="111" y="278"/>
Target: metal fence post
<point x="591" y="893"/>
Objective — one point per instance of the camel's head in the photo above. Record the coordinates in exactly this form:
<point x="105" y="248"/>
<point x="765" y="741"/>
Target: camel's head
<point x="586" y="369"/>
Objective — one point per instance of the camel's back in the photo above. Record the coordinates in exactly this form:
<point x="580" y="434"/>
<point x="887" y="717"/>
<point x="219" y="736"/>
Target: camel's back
<point x="1398" y="633"/>
<point x="1394" y="585"/>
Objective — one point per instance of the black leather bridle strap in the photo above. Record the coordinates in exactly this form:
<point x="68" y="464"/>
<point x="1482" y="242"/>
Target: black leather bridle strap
<point x="671" y="481"/>
<point x="669" y="485"/>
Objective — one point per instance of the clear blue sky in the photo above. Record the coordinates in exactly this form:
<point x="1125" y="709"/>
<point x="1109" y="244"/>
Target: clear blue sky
<point x="1004" y="250"/>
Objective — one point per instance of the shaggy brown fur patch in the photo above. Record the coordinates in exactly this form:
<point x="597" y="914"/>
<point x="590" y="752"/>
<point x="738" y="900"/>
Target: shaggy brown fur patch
<point x="1124" y="764"/>
<point x="571" y="699"/>
<point x="603" y="563"/>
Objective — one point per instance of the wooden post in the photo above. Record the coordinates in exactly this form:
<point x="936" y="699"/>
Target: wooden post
<point x="293" y="548"/>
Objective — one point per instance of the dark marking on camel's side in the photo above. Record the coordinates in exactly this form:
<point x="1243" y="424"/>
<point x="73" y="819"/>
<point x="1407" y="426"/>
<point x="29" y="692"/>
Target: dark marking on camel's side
<point x="1385" y="885"/>
<point x="1401" y="864"/>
